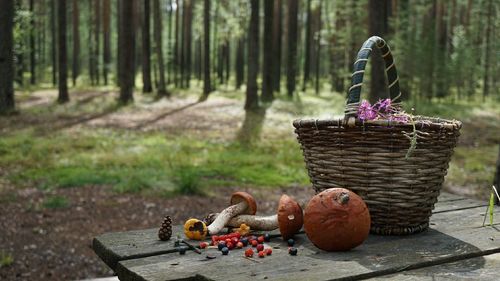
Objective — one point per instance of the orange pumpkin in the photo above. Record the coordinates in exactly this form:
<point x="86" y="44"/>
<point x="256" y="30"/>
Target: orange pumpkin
<point x="336" y="219"/>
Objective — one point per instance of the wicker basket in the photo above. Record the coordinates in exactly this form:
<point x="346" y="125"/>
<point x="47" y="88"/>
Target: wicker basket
<point x="371" y="157"/>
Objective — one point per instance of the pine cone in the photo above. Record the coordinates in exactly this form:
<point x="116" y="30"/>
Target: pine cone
<point x="165" y="231"/>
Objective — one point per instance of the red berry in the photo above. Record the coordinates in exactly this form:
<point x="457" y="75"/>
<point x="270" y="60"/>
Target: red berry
<point x="260" y="248"/>
<point x="228" y="240"/>
<point x="249" y="253"/>
<point x="235" y="240"/>
<point x="203" y="245"/>
<point x="254" y="243"/>
<point x="269" y="251"/>
<point x="260" y="239"/>
<point x="239" y="245"/>
<point x="262" y="254"/>
<point x="230" y="245"/>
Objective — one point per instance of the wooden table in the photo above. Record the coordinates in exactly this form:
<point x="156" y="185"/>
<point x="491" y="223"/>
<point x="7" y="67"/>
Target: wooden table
<point x="456" y="247"/>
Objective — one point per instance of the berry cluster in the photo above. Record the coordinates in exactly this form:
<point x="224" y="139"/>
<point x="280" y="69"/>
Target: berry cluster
<point x="226" y="243"/>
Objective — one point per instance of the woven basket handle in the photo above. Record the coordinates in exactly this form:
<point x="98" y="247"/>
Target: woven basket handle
<point x="359" y="70"/>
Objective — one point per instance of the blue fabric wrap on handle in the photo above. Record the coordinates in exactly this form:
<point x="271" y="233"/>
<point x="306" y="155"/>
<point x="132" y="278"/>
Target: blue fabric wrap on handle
<point x="354" y="92"/>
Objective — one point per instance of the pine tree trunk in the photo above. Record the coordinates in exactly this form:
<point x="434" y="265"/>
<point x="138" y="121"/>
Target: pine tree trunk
<point x="162" y="91"/>
<point x="106" y="23"/>
<point x="276" y="57"/>
<point x="292" y="47"/>
<point x="176" y="45"/>
<point x="318" y="49"/>
<point x="97" y="32"/>
<point x="188" y="31"/>
<point x="54" y="40"/>
<point x="32" y="43"/>
<point x="91" y="43"/>
<point x="170" y="70"/>
<point x="127" y="50"/>
<point x="206" y="49"/>
<point x="7" y="103"/>
<point x="228" y="60"/>
<point x="75" y="69"/>
<point x="252" y="99"/>
<point x="63" y="58"/>
<point x="240" y="62"/>
<point x="487" y="48"/>
<point x="267" y="67"/>
<point x="220" y="66"/>
<point x="146" y="50"/>
<point x="308" y="43"/>
<point x="378" y="25"/>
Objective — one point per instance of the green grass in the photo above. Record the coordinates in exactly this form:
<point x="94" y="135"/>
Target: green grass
<point x="6" y="259"/>
<point x="135" y="161"/>
<point x="168" y="164"/>
<point x="55" y="202"/>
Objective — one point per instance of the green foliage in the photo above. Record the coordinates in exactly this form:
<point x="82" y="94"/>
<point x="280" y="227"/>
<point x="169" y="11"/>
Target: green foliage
<point x="55" y="202"/>
<point x="6" y="259"/>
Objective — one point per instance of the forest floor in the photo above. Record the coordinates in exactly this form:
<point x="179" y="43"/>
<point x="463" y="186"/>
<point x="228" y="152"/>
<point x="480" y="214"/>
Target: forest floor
<point x="70" y="172"/>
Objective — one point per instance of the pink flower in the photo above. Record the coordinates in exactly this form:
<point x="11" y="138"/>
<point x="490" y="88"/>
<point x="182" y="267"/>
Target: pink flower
<point x="366" y="112"/>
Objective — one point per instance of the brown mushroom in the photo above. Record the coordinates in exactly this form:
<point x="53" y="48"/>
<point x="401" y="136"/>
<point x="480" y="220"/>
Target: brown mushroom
<point x="336" y="219"/>
<point x="241" y="203"/>
<point x="288" y="219"/>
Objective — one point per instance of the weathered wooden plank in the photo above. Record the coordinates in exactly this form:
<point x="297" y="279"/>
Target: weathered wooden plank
<point x="114" y="247"/>
<point x="480" y="268"/>
<point x="451" y="238"/>
<point x="445" y="196"/>
<point x="452" y="205"/>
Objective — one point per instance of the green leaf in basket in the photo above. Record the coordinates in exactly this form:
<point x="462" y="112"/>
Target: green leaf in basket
<point x="492" y="206"/>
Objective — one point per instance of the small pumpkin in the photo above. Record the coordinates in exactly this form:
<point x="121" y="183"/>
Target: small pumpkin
<point x="337" y="219"/>
<point x="195" y="229"/>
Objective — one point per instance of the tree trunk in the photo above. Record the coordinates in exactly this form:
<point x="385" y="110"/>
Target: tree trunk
<point x="240" y="62"/>
<point x="162" y="91"/>
<point x="127" y="47"/>
<point x="487" y="48"/>
<point x="206" y="48"/>
<point x="292" y="46"/>
<point x="267" y="66"/>
<point x="97" y="32"/>
<point x="188" y="31"/>
<point x="318" y="49"/>
<point x="176" y="45"/>
<point x="106" y="23"/>
<point x="7" y="103"/>
<point x="75" y="70"/>
<point x="276" y="57"/>
<point x="63" y="58"/>
<point x="378" y="26"/>
<point x="32" y="43"/>
<point x="308" y="43"/>
<point x="54" y="41"/>
<point x="252" y="99"/>
<point x="170" y="70"/>
<point x="146" y="49"/>
<point x="227" y="58"/>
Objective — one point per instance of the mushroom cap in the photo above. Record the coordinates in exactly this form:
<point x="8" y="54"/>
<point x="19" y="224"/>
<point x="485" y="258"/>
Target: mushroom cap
<point x="336" y="219"/>
<point x="290" y="217"/>
<point x="242" y="196"/>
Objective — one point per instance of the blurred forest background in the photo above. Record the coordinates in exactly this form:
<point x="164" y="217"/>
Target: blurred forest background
<point x="142" y="100"/>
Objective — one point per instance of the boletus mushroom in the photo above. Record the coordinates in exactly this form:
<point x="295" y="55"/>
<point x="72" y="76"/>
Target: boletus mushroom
<point x="289" y="219"/>
<point x="336" y="219"/>
<point x="241" y="203"/>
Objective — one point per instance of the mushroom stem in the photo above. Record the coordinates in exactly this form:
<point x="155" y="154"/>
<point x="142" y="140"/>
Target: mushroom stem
<point x="223" y="218"/>
<point x="255" y="222"/>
